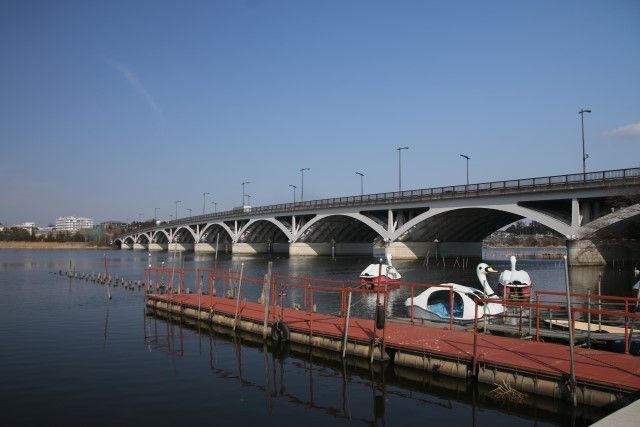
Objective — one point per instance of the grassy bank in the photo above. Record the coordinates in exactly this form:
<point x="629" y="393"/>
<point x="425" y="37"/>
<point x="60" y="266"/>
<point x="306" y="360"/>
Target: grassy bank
<point x="50" y="245"/>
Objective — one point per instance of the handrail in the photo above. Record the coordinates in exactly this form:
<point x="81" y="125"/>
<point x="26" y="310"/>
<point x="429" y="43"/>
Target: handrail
<point x="436" y="193"/>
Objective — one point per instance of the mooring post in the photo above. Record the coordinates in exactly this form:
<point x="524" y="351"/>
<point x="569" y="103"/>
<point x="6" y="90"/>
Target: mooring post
<point x="346" y="326"/>
<point x="571" y="349"/>
<point x="266" y="293"/>
<point x="235" y="318"/>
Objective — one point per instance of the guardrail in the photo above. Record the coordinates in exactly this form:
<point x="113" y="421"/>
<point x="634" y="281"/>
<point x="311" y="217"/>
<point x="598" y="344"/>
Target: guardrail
<point x="557" y="182"/>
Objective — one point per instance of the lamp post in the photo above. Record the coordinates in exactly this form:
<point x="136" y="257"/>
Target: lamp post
<point x="176" y="202"/>
<point x="361" y="185"/>
<point x="294" y="192"/>
<point x="190" y="210"/>
<point x="466" y="157"/>
<point x="400" y="166"/>
<point x="302" y="183"/>
<point x="140" y="217"/>
<point x="215" y="207"/>
<point x="584" y="156"/>
<point x="204" y="198"/>
<point x="243" y="184"/>
<point x="155" y="213"/>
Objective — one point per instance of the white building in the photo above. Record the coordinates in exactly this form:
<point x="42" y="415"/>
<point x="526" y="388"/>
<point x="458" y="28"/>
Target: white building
<point x="71" y="223"/>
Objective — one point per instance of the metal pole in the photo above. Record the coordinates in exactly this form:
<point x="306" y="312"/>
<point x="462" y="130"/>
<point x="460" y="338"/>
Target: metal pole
<point x="467" y="159"/>
<point x="245" y="182"/>
<point x="204" y="197"/>
<point x="584" y="155"/>
<point x="400" y="167"/>
<point x="361" y="184"/>
<point x="302" y="183"/>
<point x="177" y="201"/>
<point x="294" y="192"/>
<point x="571" y="345"/>
<point x="155" y="213"/>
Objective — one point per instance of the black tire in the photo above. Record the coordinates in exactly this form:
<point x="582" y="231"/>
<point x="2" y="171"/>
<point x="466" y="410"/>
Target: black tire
<point x="380" y="316"/>
<point x="280" y="332"/>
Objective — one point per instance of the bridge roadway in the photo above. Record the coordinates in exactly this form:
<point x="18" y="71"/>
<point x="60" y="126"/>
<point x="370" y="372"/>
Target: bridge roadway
<point x="597" y="212"/>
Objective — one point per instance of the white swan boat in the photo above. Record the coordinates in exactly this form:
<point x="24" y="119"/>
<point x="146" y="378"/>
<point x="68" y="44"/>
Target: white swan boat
<point x="435" y="303"/>
<point x="380" y="273"/>
<point x="514" y="284"/>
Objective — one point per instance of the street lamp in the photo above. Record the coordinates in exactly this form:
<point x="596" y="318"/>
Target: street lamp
<point x="584" y="156"/>
<point x="204" y="195"/>
<point x="294" y="192"/>
<point x="302" y="186"/>
<point x="215" y="207"/>
<point x="400" y="166"/>
<point x="155" y="213"/>
<point x="243" y="184"/>
<point x="466" y="157"/>
<point x="190" y="210"/>
<point x="361" y="185"/>
<point x="176" y="202"/>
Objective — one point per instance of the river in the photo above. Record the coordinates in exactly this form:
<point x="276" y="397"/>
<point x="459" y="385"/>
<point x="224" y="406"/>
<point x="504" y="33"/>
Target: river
<point x="72" y="356"/>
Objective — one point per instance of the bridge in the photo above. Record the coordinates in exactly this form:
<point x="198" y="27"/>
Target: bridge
<point x="597" y="212"/>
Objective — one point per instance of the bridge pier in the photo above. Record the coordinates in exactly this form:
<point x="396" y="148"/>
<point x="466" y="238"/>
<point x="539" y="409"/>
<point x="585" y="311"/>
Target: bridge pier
<point x="418" y="250"/>
<point x="125" y="246"/>
<point x="205" y="248"/>
<point x="601" y="252"/>
<point x="155" y="247"/>
<point x="180" y="247"/>
<point x="316" y="249"/>
<point x="140" y="247"/>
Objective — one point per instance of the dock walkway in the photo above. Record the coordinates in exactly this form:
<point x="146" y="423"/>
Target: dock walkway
<point x="473" y="353"/>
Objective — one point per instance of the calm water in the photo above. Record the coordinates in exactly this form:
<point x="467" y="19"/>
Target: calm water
<point x="71" y="356"/>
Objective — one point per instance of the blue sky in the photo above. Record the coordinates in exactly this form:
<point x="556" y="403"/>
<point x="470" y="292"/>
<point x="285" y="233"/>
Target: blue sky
<point x="111" y="109"/>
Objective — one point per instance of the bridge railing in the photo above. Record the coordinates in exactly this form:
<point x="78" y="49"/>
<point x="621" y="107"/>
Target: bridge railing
<point x="589" y="179"/>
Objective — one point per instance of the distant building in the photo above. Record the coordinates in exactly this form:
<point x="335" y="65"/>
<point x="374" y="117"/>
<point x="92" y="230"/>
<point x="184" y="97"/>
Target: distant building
<point x="71" y="223"/>
<point x="29" y="226"/>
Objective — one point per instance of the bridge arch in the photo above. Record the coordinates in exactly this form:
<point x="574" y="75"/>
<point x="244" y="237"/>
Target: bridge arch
<point x="157" y="236"/>
<point x="318" y="219"/>
<point x="262" y="235"/>
<point x="511" y="213"/>
<point x="211" y="225"/>
<point x="143" y="238"/>
<point x="182" y="233"/>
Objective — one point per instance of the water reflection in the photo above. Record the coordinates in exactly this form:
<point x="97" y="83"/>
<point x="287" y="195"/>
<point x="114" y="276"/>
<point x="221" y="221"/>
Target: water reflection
<point x="351" y="389"/>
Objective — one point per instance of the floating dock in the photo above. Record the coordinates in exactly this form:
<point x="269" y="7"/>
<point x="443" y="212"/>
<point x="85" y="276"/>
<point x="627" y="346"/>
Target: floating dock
<point x="532" y="367"/>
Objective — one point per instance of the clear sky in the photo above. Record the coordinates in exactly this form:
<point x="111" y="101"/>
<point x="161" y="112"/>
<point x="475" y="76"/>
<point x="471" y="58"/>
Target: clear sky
<point x="109" y="109"/>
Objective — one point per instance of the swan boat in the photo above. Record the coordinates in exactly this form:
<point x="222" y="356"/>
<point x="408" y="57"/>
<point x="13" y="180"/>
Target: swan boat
<point x="381" y="273"/>
<point x="514" y="284"/>
<point x="435" y="302"/>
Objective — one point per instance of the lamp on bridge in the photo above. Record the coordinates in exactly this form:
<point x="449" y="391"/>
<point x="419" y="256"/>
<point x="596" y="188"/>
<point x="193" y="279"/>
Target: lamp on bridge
<point x="466" y="157"/>
<point x="361" y="185"/>
<point x="294" y="192"/>
<point x="584" y="156"/>
<point x="243" y="184"/>
<point x="204" y="197"/>
<point x="176" y="202"/>
<point x="215" y="207"/>
<point x="190" y="210"/>
<point x="400" y="166"/>
<point x="302" y="183"/>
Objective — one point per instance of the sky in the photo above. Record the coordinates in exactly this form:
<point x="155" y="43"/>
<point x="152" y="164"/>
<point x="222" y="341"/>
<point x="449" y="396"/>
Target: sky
<point x="110" y="109"/>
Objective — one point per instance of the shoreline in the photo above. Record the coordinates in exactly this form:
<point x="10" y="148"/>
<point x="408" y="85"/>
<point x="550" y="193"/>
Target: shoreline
<point x="51" y="245"/>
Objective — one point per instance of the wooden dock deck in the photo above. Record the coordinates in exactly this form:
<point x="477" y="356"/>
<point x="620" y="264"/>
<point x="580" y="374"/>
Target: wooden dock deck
<point x="530" y="366"/>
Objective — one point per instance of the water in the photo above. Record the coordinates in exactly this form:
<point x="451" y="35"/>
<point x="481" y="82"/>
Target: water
<point x="71" y="356"/>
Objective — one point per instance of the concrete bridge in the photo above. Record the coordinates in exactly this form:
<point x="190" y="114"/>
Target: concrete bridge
<point x="597" y="212"/>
